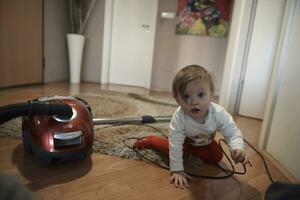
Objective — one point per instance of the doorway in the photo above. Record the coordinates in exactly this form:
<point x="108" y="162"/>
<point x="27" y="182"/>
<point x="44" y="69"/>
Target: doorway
<point x="130" y="57"/>
<point x="260" y="57"/>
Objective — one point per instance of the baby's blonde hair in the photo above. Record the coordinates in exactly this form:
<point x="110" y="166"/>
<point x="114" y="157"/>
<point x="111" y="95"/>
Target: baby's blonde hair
<point x="188" y="74"/>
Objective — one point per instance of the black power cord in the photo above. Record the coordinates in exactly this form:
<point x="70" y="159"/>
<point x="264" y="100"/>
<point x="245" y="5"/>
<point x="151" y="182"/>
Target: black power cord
<point x="263" y="159"/>
<point x="228" y="172"/>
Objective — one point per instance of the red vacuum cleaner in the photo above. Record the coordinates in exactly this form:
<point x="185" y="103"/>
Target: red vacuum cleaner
<point x="60" y="128"/>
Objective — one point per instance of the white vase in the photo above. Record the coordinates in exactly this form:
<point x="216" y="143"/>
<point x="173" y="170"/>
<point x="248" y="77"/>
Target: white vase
<point x="75" y="48"/>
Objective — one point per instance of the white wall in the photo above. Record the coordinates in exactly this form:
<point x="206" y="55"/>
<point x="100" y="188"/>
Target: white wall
<point x="172" y="52"/>
<point x="56" y="25"/>
<point x="242" y="51"/>
<point x="284" y="134"/>
<point x="235" y="53"/>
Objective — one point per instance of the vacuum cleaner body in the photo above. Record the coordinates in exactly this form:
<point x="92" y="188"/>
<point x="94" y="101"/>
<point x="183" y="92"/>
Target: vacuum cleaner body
<point x="55" y="138"/>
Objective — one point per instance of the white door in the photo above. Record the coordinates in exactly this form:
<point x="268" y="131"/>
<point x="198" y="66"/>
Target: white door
<point x="132" y="42"/>
<point x="266" y="31"/>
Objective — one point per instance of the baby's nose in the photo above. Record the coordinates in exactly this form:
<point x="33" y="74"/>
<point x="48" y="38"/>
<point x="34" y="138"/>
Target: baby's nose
<point x="194" y="101"/>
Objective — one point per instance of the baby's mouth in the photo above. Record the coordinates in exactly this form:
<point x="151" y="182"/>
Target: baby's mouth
<point x="195" y="110"/>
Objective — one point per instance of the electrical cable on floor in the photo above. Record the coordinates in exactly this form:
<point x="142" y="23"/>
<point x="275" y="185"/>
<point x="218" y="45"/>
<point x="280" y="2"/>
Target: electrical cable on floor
<point x="263" y="159"/>
<point x="226" y="171"/>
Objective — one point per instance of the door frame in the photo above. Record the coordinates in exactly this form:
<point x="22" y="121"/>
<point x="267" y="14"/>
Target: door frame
<point x="237" y="102"/>
<point x="228" y="94"/>
<point x="280" y="55"/>
<point x="107" y="36"/>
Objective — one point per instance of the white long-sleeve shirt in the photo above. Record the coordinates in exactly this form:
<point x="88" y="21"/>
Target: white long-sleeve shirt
<point x="182" y="126"/>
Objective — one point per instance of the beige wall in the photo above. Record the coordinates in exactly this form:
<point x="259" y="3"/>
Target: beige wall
<point x="172" y="52"/>
<point x="56" y="25"/>
<point x="92" y="58"/>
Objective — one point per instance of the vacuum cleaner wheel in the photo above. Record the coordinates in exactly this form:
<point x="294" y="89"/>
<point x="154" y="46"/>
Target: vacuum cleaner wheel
<point x="26" y="139"/>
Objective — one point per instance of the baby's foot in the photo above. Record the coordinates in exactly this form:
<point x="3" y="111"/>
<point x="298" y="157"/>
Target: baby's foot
<point x="143" y="143"/>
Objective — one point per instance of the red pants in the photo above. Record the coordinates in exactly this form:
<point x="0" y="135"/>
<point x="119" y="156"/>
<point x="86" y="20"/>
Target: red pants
<point x="210" y="153"/>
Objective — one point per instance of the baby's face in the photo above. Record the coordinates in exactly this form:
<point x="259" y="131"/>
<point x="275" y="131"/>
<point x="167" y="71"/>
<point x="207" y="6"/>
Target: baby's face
<point x="196" y="99"/>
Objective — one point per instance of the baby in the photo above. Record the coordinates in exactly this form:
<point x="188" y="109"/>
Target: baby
<point x="194" y="124"/>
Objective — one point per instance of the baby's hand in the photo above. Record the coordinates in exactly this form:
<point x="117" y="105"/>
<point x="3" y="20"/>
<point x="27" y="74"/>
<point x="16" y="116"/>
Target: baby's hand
<point x="180" y="178"/>
<point x="239" y="156"/>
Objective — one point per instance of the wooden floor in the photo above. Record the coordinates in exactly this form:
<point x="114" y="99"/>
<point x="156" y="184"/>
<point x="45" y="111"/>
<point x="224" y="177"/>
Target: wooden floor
<point x="108" y="177"/>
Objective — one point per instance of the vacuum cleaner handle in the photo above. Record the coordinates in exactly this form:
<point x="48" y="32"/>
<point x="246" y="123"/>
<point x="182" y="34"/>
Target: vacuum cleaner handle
<point x="33" y="108"/>
<point x="131" y="120"/>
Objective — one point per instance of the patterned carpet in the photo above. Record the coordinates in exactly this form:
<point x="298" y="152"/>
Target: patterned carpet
<point x="109" y="139"/>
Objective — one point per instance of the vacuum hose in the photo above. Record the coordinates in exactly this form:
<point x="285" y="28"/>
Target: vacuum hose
<point x="33" y="108"/>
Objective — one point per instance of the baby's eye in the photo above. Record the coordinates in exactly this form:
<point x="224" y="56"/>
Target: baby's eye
<point x="186" y="96"/>
<point x="201" y="94"/>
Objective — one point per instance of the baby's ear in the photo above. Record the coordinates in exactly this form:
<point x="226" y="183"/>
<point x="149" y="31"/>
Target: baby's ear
<point x="214" y="97"/>
<point x="176" y="97"/>
<point x="177" y="100"/>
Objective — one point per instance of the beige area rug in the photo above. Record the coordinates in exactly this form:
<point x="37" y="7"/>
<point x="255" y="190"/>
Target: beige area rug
<point x="109" y="139"/>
